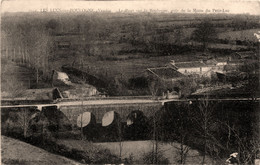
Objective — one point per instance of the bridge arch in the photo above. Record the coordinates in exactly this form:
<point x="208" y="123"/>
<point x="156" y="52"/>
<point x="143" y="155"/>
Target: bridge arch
<point x="109" y="118"/>
<point x="85" y="119"/>
<point x="137" y="126"/>
<point x="111" y="126"/>
<point x="86" y="122"/>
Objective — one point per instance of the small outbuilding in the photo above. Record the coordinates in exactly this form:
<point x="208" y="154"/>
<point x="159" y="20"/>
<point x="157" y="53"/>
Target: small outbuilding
<point x="165" y="73"/>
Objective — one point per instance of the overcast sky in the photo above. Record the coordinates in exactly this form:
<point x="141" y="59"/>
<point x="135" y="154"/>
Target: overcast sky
<point x="213" y="6"/>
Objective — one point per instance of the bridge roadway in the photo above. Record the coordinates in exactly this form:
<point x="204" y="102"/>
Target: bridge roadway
<point x="110" y="101"/>
<point x="91" y="102"/>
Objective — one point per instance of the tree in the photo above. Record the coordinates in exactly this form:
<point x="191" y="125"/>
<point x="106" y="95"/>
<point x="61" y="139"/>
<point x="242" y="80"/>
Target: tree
<point x="120" y="134"/>
<point x="52" y="25"/>
<point x="204" y="33"/>
<point x="154" y="85"/>
<point x="186" y="86"/>
<point x="205" y="127"/>
<point x="174" y="125"/>
<point x="136" y="33"/>
<point x="184" y="134"/>
<point x="247" y="148"/>
<point x="242" y="131"/>
<point x="30" y="43"/>
<point x="177" y="35"/>
<point x="181" y="122"/>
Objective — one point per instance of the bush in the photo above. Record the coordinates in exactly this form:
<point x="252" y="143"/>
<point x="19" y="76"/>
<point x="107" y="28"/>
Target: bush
<point x="148" y="158"/>
<point x="138" y="82"/>
<point x="116" y="87"/>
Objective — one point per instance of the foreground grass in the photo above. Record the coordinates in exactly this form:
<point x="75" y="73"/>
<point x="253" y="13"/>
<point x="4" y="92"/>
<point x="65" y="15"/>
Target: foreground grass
<point x="18" y="152"/>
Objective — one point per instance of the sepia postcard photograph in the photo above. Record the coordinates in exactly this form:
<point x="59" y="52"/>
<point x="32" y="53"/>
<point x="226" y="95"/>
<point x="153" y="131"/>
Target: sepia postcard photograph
<point x="130" y="82"/>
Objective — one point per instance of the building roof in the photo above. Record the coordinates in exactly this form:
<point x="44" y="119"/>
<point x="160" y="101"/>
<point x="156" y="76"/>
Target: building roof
<point x="192" y="64"/>
<point x="246" y="54"/>
<point x="165" y="72"/>
<point x="208" y="90"/>
<point x="226" y="92"/>
<point x="204" y="56"/>
<point x="210" y="62"/>
<point x="221" y="60"/>
<point x="237" y="62"/>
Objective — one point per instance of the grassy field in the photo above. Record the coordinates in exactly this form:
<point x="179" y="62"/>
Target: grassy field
<point x="239" y="35"/>
<point x="127" y="65"/>
<point x="124" y="68"/>
<point x="17" y="152"/>
<point x="15" y="78"/>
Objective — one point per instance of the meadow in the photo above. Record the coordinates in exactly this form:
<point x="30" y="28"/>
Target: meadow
<point x="243" y="35"/>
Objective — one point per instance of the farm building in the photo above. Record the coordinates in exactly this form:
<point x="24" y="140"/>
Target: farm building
<point x="210" y="62"/>
<point x="61" y="76"/>
<point x="194" y="67"/>
<point x="165" y="73"/>
<point x="226" y="91"/>
<point x="243" y="55"/>
<point x="71" y="90"/>
<point x="221" y="62"/>
<point x="168" y="75"/>
<point x="79" y="92"/>
<point x="205" y="56"/>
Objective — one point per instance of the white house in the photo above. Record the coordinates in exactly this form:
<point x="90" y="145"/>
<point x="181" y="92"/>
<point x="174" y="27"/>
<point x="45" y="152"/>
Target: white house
<point x="221" y="63"/>
<point x="194" y="67"/>
<point x="201" y="68"/>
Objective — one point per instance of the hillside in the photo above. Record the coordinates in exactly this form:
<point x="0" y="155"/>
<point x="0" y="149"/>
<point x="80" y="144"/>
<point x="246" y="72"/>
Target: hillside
<point x="17" y="152"/>
<point x="117" y="48"/>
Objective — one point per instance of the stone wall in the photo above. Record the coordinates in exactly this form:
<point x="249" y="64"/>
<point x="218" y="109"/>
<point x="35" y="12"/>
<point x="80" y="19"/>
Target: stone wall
<point x="72" y="112"/>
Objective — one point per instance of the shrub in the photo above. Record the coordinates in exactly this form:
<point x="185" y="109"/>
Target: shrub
<point x="138" y="82"/>
<point x="153" y="158"/>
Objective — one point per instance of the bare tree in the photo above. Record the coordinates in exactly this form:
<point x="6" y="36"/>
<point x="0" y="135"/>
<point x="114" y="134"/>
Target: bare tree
<point x="184" y="134"/>
<point x="205" y="124"/>
<point x="247" y="148"/>
<point x="153" y="88"/>
<point x="25" y="115"/>
<point x="120" y="134"/>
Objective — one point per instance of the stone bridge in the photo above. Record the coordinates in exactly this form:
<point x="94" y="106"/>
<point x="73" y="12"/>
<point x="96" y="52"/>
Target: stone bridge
<point x="99" y="111"/>
<point x="96" y="109"/>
